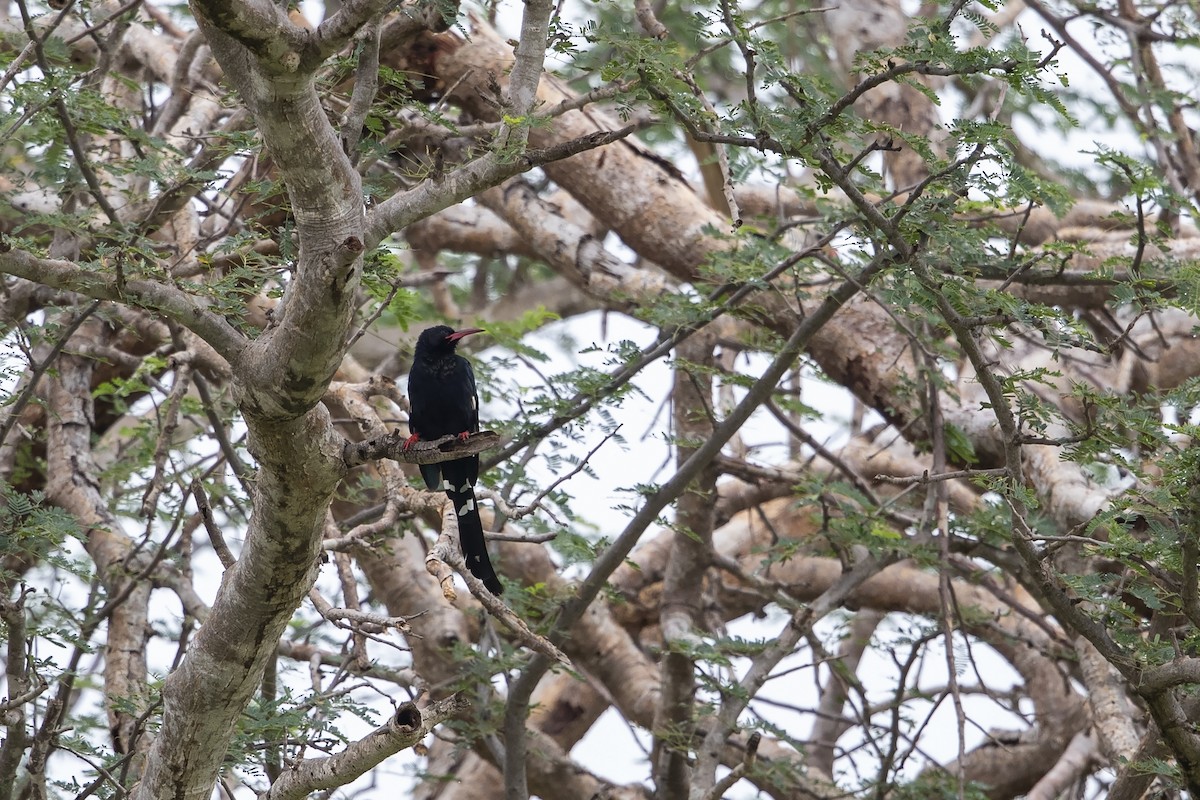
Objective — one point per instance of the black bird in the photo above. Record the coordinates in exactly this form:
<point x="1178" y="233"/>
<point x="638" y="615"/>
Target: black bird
<point x="443" y="402"/>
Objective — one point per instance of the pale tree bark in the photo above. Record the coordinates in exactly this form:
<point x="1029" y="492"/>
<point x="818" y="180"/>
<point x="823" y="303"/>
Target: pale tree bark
<point x="73" y="484"/>
<point x="661" y="217"/>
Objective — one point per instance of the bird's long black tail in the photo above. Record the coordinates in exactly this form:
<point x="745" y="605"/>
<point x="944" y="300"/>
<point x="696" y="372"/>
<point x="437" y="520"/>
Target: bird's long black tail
<point x="470" y="537"/>
<point x="457" y="479"/>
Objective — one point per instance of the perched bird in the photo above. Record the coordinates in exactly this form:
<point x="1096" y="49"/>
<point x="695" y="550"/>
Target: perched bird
<point x="443" y="402"/>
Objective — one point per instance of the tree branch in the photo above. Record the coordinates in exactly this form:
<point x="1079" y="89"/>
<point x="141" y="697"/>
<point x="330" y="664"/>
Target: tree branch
<point x="430" y="196"/>
<point x="394" y="446"/>
<point x="335" y="32"/>
<point x="405" y="728"/>
<point x="264" y="29"/>
<point x="185" y="309"/>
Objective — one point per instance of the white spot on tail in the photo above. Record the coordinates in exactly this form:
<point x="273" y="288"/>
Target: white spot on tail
<point x="467" y="508"/>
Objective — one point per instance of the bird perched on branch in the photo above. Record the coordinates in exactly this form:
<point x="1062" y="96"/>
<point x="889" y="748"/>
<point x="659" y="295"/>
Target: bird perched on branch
<point x="443" y="402"/>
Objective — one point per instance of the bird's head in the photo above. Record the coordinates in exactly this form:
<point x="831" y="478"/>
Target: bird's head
<point x="440" y="340"/>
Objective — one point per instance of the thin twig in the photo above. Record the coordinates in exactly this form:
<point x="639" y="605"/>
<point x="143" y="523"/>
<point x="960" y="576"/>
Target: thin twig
<point x="214" y="533"/>
<point x="170" y="421"/>
<point x="738" y="772"/>
<point x="526" y="510"/>
<point x="926" y="478"/>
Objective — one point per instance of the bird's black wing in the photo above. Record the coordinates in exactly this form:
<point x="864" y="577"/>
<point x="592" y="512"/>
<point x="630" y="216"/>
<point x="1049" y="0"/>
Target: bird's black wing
<point x="470" y="376"/>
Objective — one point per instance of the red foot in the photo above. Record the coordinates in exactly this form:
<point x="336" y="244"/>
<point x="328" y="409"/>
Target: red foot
<point x="411" y="440"/>
<point x="462" y="437"/>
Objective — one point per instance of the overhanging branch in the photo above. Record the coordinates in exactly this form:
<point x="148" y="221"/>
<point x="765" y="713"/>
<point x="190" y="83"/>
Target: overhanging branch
<point x="406" y="727"/>
<point x="187" y="310"/>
